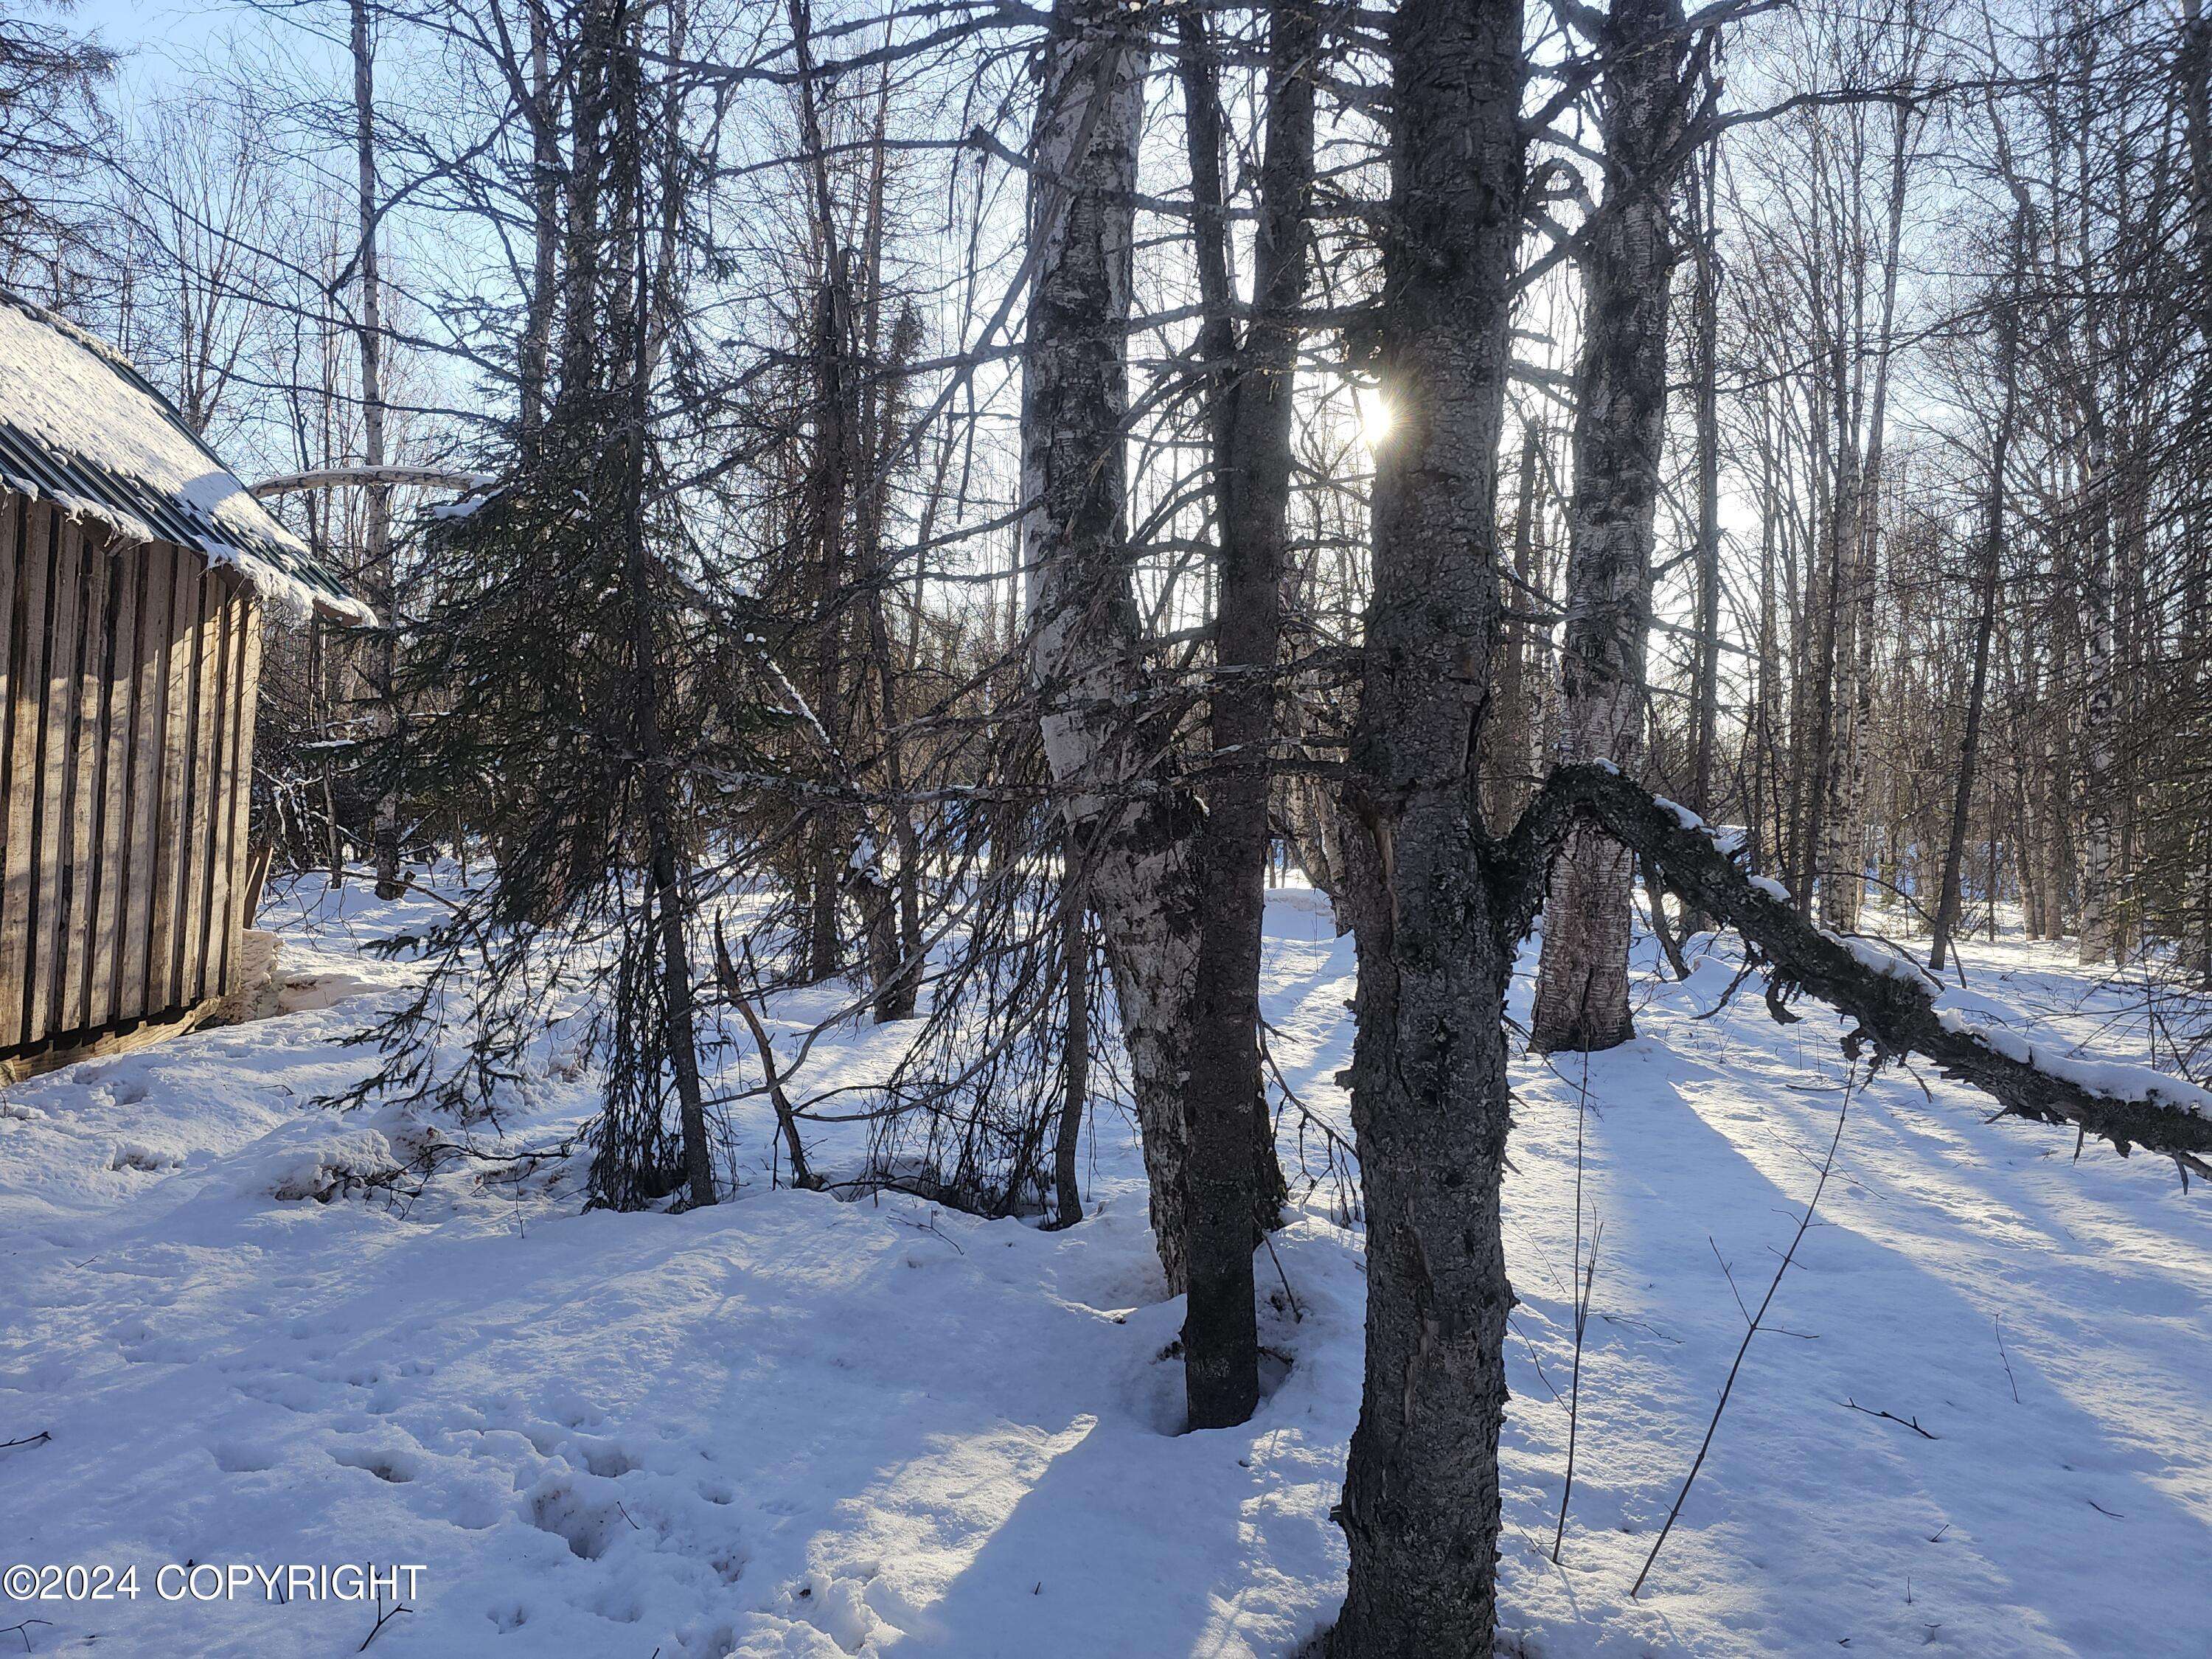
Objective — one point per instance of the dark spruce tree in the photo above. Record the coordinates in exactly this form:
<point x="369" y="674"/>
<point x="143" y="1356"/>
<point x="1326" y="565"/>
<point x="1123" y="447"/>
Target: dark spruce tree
<point x="576" y="684"/>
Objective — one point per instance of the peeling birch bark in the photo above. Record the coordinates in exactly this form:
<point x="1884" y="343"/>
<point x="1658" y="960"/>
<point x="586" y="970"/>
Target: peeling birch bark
<point x="1137" y="822"/>
<point x="1581" y="982"/>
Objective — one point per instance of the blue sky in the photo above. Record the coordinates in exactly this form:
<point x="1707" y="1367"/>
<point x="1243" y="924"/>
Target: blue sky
<point x="133" y="23"/>
<point x="154" y="35"/>
<point x="162" y="40"/>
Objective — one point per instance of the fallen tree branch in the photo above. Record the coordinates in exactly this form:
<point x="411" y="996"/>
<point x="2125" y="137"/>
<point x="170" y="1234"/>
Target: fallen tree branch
<point x="1911" y="1423"/>
<point x="382" y="1620"/>
<point x="733" y="988"/>
<point x="356" y="478"/>
<point x="1891" y="1000"/>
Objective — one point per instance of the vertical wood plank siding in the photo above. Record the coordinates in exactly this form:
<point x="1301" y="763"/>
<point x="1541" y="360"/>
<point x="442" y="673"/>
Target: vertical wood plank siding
<point x="128" y="676"/>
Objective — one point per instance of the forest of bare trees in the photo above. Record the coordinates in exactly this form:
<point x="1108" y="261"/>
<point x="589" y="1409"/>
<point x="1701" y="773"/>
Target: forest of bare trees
<point x="955" y="500"/>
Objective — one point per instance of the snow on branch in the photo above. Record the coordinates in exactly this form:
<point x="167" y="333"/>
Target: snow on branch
<point x="1891" y="999"/>
<point x="362" y="477"/>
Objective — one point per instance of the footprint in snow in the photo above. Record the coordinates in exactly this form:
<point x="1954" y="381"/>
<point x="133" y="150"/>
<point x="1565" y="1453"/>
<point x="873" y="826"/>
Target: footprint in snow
<point x="587" y="1528"/>
<point x="293" y="1394"/>
<point x="242" y="1457"/>
<point x="508" y="1619"/>
<point x="395" y="1467"/>
<point x="146" y="1160"/>
<point x="619" y="1603"/>
<point x="476" y="1511"/>
<point x="608" y="1461"/>
<point x="572" y="1410"/>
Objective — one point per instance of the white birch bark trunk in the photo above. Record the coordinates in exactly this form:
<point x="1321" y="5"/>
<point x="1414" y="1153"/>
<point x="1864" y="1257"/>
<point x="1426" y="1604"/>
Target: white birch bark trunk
<point x="1581" y="982"/>
<point x="1137" y="825"/>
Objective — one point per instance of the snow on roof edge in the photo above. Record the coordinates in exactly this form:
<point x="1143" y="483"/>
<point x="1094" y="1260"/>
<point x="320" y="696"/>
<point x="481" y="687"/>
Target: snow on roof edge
<point x="102" y="443"/>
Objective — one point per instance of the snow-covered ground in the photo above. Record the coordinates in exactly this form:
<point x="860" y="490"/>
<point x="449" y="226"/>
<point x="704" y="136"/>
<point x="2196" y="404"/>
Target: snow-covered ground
<point x="791" y="1426"/>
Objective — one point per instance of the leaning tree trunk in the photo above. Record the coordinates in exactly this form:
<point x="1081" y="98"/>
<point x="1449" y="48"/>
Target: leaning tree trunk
<point x="1891" y="1003"/>
<point x="1582" y="983"/>
<point x="1430" y="1104"/>
<point x="1138" y="826"/>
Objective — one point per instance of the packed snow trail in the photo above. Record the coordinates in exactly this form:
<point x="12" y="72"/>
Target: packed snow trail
<point x="794" y="1426"/>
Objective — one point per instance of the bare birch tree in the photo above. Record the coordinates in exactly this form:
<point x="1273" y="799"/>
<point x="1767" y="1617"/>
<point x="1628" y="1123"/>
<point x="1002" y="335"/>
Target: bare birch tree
<point x="1629" y="251"/>
<point x="1103" y="736"/>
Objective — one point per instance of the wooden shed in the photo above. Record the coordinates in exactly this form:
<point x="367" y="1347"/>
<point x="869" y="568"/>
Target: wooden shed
<point x="136" y="571"/>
